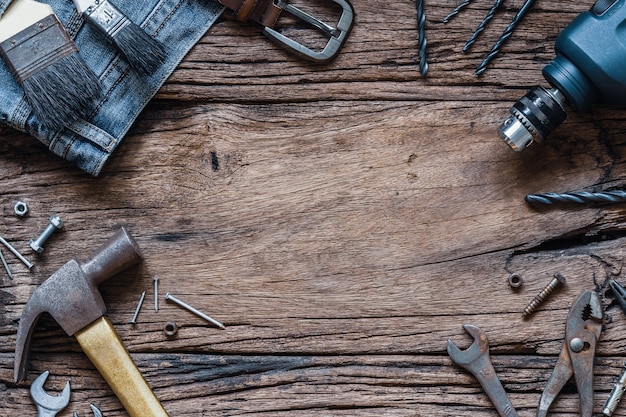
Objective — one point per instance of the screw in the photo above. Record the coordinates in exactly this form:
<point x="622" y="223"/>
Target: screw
<point x="139" y="304"/>
<point x="55" y="224"/>
<point x="16" y="253"/>
<point x="541" y="297"/>
<point x="156" y="293"/>
<point x="615" y="396"/>
<point x="6" y="266"/>
<point x="170" y="297"/>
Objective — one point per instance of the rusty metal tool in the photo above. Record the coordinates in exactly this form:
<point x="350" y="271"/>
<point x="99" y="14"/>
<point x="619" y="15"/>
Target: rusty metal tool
<point x="48" y="405"/>
<point x="476" y="360"/>
<point x="582" y="331"/>
<point x="72" y="298"/>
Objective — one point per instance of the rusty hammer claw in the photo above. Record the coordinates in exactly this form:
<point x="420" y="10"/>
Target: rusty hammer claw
<point x="476" y="360"/>
<point x="47" y="405"/>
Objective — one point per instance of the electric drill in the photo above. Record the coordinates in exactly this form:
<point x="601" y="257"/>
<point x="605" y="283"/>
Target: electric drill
<point x="590" y="67"/>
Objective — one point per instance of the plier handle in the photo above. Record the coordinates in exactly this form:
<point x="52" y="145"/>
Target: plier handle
<point x="582" y="331"/>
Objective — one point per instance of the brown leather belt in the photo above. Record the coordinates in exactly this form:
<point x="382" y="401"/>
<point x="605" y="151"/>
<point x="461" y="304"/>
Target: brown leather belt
<point x="266" y="12"/>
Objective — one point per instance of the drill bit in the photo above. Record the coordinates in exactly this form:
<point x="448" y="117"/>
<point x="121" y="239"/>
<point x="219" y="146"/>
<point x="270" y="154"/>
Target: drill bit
<point x="577" y="197"/>
<point x="456" y="11"/>
<point x="495" y="49"/>
<point x="481" y="26"/>
<point x="421" y="38"/>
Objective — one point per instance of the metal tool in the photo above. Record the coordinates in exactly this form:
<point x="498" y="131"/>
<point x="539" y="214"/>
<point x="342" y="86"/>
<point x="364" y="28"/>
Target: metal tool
<point x="54" y="224"/>
<point x="16" y="253"/>
<point x="476" y="360"/>
<point x="71" y="297"/>
<point x="620" y="294"/>
<point x="582" y="331"/>
<point x="421" y="37"/>
<point x="616" y="395"/>
<point x="577" y="197"/>
<point x="506" y="34"/>
<point x="96" y="411"/>
<point x="139" y="304"/>
<point x="6" y="265"/>
<point x="482" y="25"/>
<point x="456" y="10"/>
<point x="47" y="405"/>
<point x="543" y="294"/>
<point x="198" y="313"/>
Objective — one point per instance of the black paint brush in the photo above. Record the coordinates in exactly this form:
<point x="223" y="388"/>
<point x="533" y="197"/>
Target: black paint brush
<point x="43" y="58"/>
<point x="144" y="53"/>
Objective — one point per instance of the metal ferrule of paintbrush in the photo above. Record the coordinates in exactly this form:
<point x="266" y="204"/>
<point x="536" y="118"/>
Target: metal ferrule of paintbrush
<point x="144" y="53"/>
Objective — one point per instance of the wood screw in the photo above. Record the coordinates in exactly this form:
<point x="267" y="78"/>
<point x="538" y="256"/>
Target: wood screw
<point x="541" y="297"/>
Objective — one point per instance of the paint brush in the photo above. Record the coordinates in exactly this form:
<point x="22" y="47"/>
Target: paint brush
<point x="144" y="53"/>
<point x="43" y="58"/>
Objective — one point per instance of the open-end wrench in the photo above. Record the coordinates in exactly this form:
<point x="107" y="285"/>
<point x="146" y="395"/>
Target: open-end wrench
<point x="47" y="405"/>
<point x="476" y="360"/>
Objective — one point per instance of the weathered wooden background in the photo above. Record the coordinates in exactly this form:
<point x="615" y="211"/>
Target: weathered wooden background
<point x="342" y="220"/>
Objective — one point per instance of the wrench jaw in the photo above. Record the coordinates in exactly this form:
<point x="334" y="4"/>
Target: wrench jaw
<point x="47" y="405"/>
<point x="479" y="346"/>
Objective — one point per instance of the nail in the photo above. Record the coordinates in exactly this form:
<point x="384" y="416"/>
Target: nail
<point x="170" y="297"/>
<point x="134" y="320"/>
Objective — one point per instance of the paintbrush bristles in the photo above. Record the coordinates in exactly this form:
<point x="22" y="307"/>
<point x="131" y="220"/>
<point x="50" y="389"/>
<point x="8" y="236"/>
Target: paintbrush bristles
<point x="141" y="51"/>
<point x="63" y="92"/>
<point x="144" y="53"/>
<point x="57" y="83"/>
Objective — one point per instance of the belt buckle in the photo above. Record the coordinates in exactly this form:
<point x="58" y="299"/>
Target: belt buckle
<point x="338" y="34"/>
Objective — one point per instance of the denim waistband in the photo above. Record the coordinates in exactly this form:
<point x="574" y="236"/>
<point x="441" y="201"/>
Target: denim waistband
<point x="177" y="24"/>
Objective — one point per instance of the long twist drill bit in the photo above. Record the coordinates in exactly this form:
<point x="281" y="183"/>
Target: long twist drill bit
<point x="577" y="197"/>
<point x="495" y="49"/>
<point x="456" y="10"/>
<point x="482" y="25"/>
<point x="421" y="37"/>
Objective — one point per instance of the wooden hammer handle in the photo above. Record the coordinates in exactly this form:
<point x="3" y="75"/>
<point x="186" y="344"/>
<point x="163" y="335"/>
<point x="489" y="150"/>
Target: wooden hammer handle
<point x="103" y="346"/>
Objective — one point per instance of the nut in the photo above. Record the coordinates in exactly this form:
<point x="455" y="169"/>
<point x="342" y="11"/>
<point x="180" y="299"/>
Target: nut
<point x="20" y="208"/>
<point x="170" y="329"/>
<point x="515" y="280"/>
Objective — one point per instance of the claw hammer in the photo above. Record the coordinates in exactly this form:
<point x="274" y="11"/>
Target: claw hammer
<point x="72" y="298"/>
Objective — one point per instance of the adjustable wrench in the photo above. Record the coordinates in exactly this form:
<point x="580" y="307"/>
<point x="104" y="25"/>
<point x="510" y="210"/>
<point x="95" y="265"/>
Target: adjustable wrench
<point x="47" y="405"/>
<point x="476" y="360"/>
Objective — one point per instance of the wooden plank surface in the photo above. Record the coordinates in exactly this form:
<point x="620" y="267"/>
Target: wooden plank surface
<point x="342" y="220"/>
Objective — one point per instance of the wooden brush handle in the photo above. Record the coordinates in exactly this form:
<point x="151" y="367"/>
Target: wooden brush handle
<point x="104" y="348"/>
<point x="20" y="15"/>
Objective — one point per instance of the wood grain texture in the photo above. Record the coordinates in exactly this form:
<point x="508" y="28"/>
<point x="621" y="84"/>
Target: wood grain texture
<point x="342" y="220"/>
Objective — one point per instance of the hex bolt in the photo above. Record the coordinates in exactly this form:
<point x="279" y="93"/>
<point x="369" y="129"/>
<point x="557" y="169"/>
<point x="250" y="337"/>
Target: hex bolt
<point x="55" y="224"/>
<point x="541" y="297"/>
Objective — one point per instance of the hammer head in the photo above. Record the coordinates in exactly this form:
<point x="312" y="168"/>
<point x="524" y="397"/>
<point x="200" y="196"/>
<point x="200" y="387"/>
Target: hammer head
<point x="71" y="294"/>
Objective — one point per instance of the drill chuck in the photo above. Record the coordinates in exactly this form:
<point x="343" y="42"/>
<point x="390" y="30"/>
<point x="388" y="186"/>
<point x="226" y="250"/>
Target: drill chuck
<point x="533" y="117"/>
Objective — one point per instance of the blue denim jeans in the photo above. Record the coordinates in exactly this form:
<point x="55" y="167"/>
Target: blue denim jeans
<point x="177" y="24"/>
